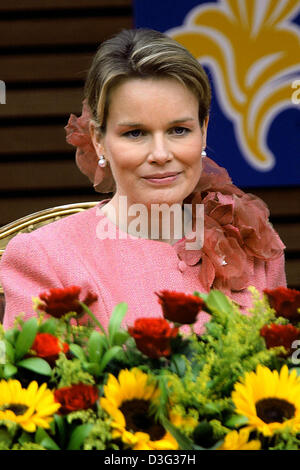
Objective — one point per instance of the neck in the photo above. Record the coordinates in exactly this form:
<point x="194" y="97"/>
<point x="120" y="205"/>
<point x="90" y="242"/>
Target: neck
<point x="160" y="222"/>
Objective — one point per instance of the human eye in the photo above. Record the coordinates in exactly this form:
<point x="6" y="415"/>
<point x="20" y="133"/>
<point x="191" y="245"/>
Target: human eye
<point x="134" y="133"/>
<point x="180" y="130"/>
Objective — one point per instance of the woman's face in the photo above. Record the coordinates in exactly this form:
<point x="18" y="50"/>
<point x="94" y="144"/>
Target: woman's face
<point x="153" y="131"/>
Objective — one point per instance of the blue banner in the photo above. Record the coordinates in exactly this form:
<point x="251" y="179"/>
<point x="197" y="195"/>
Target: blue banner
<point x="251" y="52"/>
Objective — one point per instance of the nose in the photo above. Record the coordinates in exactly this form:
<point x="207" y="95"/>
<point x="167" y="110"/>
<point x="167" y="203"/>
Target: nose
<point x="159" y="151"/>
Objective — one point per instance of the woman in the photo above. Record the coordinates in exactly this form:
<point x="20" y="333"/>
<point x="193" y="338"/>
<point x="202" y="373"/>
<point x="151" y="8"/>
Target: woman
<point x="142" y="135"/>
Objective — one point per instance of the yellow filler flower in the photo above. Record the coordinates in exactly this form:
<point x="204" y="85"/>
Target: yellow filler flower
<point x="30" y="407"/>
<point x="128" y="400"/>
<point x="270" y="400"/>
<point x="235" y="440"/>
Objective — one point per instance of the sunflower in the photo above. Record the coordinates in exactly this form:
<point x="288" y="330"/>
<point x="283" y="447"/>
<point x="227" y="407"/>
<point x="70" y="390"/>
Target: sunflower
<point x="29" y="407"/>
<point x="270" y="400"/>
<point x="235" y="440"/>
<point x="128" y="401"/>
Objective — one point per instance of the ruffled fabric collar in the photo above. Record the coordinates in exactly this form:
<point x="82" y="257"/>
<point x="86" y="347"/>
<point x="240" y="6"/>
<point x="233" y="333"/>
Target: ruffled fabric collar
<point x="236" y="225"/>
<point x="236" y="230"/>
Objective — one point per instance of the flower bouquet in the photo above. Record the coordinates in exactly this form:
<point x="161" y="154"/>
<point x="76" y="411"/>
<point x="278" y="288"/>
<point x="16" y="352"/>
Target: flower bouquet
<point x="67" y="384"/>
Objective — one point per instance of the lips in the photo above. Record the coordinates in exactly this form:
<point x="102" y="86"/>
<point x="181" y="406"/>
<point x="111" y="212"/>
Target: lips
<point x="163" y="179"/>
<point x="162" y="175"/>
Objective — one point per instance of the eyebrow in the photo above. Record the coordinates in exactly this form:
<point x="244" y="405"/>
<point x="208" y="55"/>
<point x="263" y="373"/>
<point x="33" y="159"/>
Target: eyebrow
<point x="138" y="124"/>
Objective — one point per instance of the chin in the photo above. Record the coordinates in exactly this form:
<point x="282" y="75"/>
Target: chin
<point x="163" y="199"/>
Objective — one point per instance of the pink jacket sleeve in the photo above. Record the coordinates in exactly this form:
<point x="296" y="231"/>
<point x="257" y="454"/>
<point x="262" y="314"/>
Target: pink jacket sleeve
<point x="25" y="272"/>
<point x="275" y="273"/>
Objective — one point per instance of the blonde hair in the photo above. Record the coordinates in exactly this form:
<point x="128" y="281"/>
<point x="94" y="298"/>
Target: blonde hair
<point x="142" y="53"/>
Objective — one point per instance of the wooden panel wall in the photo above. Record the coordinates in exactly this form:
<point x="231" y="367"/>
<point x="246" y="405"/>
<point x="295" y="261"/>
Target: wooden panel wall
<point x="46" y="47"/>
<point x="284" y="206"/>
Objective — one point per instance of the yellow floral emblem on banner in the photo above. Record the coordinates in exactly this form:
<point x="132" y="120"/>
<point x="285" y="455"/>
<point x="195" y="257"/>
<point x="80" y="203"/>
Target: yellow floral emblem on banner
<point x="253" y="49"/>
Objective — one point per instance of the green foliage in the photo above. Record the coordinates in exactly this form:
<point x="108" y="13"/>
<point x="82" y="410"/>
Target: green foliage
<point x="95" y="346"/>
<point x="49" y="326"/>
<point x="82" y="416"/>
<point x="285" y="440"/>
<point x="96" y="350"/>
<point x="43" y="439"/>
<point x="9" y="370"/>
<point x="8" y="431"/>
<point x="28" y="446"/>
<point x="99" y="437"/>
<point x="195" y="382"/>
<point x="79" y="434"/>
<point x="36" y="364"/>
<point x="184" y="442"/>
<point x="94" y="430"/>
<point x="26" y="337"/>
<point x="230" y="347"/>
<point x="4" y="445"/>
<point x="67" y="373"/>
<point x="115" y="322"/>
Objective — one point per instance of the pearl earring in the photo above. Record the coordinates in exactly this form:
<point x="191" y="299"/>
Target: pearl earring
<point x="203" y="153"/>
<point x="102" y="162"/>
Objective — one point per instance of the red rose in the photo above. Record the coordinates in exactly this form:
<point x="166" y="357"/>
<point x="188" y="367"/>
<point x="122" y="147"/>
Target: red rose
<point x="76" y="397"/>
<point x="153" y="336"/>
<point x="285" y="302"/>
<point x="59" y="302"/>
<point x="48" y="347"/>
<point x="280" y="335"/>
<point x="180" y="308"/>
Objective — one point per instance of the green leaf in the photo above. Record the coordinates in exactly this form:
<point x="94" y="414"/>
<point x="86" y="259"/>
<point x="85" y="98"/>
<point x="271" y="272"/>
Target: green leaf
<point x="95" y="346"/>
<point x="25" y="437"/>
<point x="9" y="370"/>
<point x="211" y="408"/>
<point x="42" y="438"/>
<point x="49" y="326"/>
<point x="5" y="437"/>
<point x="11" y="335"/>
<point x="109" y="355"/>
<point x="78" y="436"/>
<point x="9" y="351"/>
<point x="217" y="301"/>
<point x="236" y="421"/>
<point x="61" y="429"/>
<point x="183" y="441"/>
<point x="77" y="351"/>
<point x="120" y="337"/>
<point x="36" y="364"/>
<point x="201" y="295"/>
<point x="26" y="337"/>
<point x="92" y="368"/>
<point x="92" y="317"/>
<point x="116" y="319"/>
<point x="178" y="364"/>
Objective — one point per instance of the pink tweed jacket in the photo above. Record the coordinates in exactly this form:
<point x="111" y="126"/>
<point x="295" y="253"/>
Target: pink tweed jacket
<point x="68" y="252"/>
